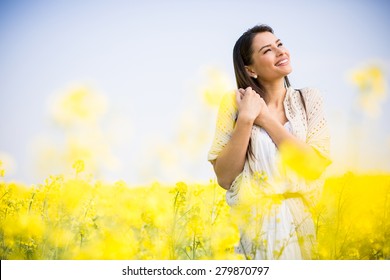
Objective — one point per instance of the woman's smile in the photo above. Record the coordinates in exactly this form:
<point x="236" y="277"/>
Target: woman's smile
<point x="282" y="62"/>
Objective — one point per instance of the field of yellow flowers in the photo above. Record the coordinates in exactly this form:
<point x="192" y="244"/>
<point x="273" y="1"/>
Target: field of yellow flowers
<point x="79" y="218"/>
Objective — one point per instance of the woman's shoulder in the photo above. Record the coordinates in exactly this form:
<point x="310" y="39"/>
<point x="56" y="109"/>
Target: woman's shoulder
<point x="311" y="93"/>
<point x="229" y="97"/>
<point x="228" y="102"/>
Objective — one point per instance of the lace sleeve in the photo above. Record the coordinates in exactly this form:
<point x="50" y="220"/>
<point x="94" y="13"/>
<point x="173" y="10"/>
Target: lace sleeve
<point x="317" y="137"/>
<point x="226" y="119"/>
<point x="317" y="127"/>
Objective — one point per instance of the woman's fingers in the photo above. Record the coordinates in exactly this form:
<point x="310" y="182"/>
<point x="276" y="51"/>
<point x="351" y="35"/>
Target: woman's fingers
<point x="242" y="92"/>
<point x="248" y="90"/>
<point x="238" y="96"/>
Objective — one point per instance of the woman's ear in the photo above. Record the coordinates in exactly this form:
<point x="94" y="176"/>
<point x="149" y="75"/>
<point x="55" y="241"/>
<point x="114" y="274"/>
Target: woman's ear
<point x="250" y="72"/>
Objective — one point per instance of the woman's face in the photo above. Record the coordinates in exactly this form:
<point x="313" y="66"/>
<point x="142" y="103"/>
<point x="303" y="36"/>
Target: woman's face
<point x="270" y="59"/>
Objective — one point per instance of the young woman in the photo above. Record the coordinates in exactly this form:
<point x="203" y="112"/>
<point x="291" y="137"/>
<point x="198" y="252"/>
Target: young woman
<point x="271" y="201"/>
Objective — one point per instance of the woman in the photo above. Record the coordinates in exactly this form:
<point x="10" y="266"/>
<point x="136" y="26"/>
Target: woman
<point x="271" y="199"/>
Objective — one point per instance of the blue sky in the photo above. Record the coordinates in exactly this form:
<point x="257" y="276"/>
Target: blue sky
<point x="150" y="58"/>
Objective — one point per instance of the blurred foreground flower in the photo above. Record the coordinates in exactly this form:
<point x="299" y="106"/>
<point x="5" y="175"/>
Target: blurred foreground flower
<point x="2" y="171"/>
<point x="372" y="89"/>
<point x="182" y="155"/>
<point x="79" y="134"/>
<point x="7" y="164"/>
<point x="79" y="104"/>
<point x="218" y="85"/>
<point x="73" y="218"/>
<point x="78" y="166"/>
<point x="308" y="164"/>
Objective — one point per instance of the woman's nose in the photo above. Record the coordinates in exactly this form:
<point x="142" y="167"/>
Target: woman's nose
<point x="279" y="52"/>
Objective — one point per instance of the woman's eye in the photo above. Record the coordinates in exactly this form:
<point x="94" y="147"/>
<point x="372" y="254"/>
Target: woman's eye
<point x="267" y="51"/>
<point x="280" y="44"/>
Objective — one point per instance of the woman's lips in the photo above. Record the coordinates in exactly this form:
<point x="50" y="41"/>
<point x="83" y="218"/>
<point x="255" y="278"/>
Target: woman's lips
<point x="283" y="62"/>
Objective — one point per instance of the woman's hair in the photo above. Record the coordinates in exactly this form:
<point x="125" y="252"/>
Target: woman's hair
<point x="242" y="56"/>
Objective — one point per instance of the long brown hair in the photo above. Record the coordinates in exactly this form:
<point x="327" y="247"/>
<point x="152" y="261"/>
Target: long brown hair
<point x="242" y="56"/>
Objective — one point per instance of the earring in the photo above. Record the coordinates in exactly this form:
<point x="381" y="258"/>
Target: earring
<point x="254" y="77"/>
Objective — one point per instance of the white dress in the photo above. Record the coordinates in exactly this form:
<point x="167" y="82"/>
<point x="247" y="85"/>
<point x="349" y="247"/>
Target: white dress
<point x="277" y="236"/>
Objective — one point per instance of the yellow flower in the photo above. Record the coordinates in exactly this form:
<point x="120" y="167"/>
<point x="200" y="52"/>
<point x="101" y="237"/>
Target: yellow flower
<point x="78" y="104"/>
<point x="217" y="86"/>
<point x="2" y="171"/>
<point x="306" y="163"/>
<point x="76" y="219"/>
<point x="371" y="83"/>
<point x="7" y="164"/>
<point x="78" y="166"/>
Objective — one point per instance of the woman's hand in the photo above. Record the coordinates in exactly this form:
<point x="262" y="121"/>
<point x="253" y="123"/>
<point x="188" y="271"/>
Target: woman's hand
<point x="231" y="160"/>
<point x="249" y="104"/>
<point x="264" y="114"/>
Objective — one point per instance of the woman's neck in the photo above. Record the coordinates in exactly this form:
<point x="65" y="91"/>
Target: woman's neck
<point x="274" y="93"/>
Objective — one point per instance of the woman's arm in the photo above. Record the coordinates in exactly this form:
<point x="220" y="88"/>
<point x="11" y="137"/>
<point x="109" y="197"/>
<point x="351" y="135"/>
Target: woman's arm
<point x="277" y="131"/>
<point x="230" y="162"/>
<point x="299" y="155"/>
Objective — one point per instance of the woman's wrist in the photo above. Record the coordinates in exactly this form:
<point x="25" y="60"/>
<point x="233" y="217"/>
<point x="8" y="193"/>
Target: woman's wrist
<point x="264" y="120"/>
<point x="245" y="119"/>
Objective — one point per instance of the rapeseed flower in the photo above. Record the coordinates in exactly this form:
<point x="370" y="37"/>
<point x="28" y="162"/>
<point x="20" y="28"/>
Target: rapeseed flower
<point x="77" y="218"/>
<point x="217" y="86"/>
<point x="372" y="87"/>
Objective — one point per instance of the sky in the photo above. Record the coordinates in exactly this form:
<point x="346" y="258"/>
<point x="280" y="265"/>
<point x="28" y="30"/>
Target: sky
<point x="151" y="61"/>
